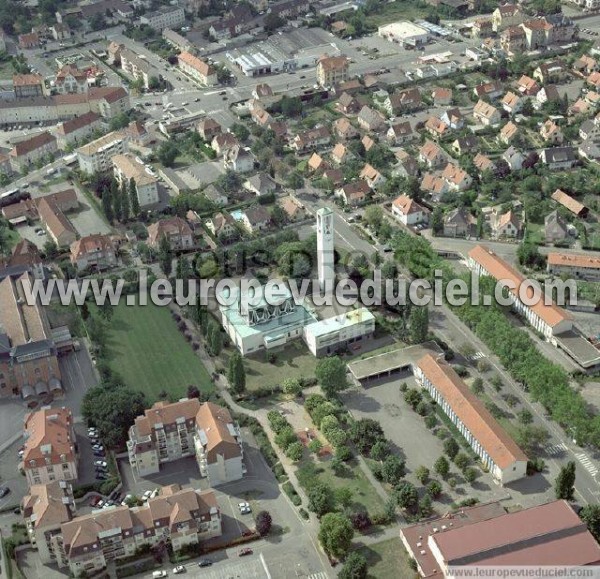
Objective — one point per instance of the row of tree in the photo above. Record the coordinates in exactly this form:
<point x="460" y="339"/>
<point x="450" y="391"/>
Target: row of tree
<point x="120" y="202"/>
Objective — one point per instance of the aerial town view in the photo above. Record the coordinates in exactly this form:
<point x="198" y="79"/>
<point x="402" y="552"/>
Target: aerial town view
<point x="299" y="289"/>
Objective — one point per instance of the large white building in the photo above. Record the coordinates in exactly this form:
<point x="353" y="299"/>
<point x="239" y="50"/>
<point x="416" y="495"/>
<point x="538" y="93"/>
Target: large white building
<point x="498" y="452"/>
<point x="146" y="184"/>
<point x="97" y="155"/>
<point x="261" y="326"/>
<point x="166" y="17"/>
<point x="171" y="431"/>
<point x="549" y="320"/>
<point x="339" y="332"/>
<point x="405" y="33"/>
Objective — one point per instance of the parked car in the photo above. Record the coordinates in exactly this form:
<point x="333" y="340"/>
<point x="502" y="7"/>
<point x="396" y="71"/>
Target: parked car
<point x="179" y="569"/>
<point x="159" y="574"/>
<point x="245" y="551"/>
<point x="4" y="490"/>
<point x="101" y="463"/>
<point x="204" y="563"/>
<point x="245" y="508"/>
<point x="97" y="447"/>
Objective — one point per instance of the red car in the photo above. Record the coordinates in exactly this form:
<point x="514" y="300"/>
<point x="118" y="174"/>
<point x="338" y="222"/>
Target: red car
<point x="246" y="551"/>
<point x="95" y="501"/>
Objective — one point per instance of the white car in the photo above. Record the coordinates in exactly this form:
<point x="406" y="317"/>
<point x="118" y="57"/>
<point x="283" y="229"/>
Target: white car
<point x="100" y="463"/>
<point x="244" y="507"/>
<point x="146" y="495"/>
<point x="159" y="574"/>
<point x="178" y="569"/>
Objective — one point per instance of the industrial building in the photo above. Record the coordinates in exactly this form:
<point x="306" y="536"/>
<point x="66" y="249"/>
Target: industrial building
<point x="404" y="33"/>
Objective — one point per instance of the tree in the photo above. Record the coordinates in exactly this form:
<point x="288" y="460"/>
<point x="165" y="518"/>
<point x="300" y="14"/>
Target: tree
<point x="154" y="83"/>
<point x="590" y="515"/>
<point x="331" y="375"/>
<point x="470" y="474"/>
<point x="107" y="205"/>
<point x="451" y="448"/>
<point x="272" y="22"/>
<point x="240" y="131"/>
<point x="336" y="534"/>
<point x="236" y="374"/>
<point x="183" y="269"/>
<point x="320" y="499"/>
<point x="525" y="416"/>
<point x="364" y="433"/>
<point x="380" y="450"/>
<point x="263" y="523"/>
<point x="392" y="469"/>
<point x="419" y="324"/>
<point x="117" y="201"/>
<point x="315" y="446"/>
<point x="462" y="461"/>
<point x="165" y="255"/>
<point x="125" y="202"/>
<point x="434" y="489"/>
<point x="112" y="408"/>
<point x="133" y="198"/>
<point x="355" y="567"/>
<point x="437" y="221"/>
<point x="214" y="339"/>
<point x="422" y="474"/>
<point x="413" y="397"/>
<point x="167" y="153"/>
<point x="295" y="451"/>
<point x="373" y="216"/>
<point x="192" y="391"/>
<point x="406" y="495"/>
<point x="291" y="386"/>
<point x="477" y="386"/>
<point x="343" y="497"/>
<point x="285" y="437"/>
<point x="360" y="520"/>
<point x="442" y="466"/>
<point x="425" y="507"/>
<point x="564" y="485"/>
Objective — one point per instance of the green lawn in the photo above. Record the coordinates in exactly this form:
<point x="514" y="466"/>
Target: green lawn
<point x="388" y="559"/>
<point x="364" y="495"/>
<point x="293" y="361"/>
<point x="408" y="10"/>
<point x="150" y="353"/>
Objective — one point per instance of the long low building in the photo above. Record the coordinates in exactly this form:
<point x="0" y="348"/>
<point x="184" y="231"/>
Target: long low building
<point x="547" y="319"/>
<point x="500" y="454"/>
<point x="586" y="267"/>
<point x="544" y="536"/>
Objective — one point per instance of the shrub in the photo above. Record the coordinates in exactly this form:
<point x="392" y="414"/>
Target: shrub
<point x="343" y="453"/>
<point x="263" y="523"/>
<point x="304" y="513"/>
<point x="360" y="520"/>
<point x="290" y="491"/>
<point x="434" y="489"/>
<point x="462" y="461"/>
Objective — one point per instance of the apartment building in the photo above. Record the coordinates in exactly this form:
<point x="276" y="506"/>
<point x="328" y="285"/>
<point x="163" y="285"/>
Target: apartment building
<point x="577" y="266"/>
<point x="28" y="354"/>
<point x="166" y="17"/>
<point x="197" y="69"/>
<point x="332" y="70"/>
<point x="93" y="251"/>
<point x="50" y="453"/>
<point x="97" y="156"/>
<point x="45" y="508"/>
<point x="170" y="431"/>
<point x="175" y="229"/>
<point x="78" y="129"/>
<point x="178" y="516"/>
<point x="125" y="168"/>
<point x="31" y="150"/>
<point x="28" y="85"/>
<point x="498" y="452"/>
<point x="71" y="80"/>
<point x="137" y="67"/>
<point x="549" y="320"/>
<point x="218" y="445"/>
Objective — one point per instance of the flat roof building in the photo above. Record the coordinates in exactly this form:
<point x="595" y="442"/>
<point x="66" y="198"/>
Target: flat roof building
<point x="339" y="332"/>
<point x="404" y="33"/>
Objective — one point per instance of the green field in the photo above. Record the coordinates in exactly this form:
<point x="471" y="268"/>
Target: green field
<point x="148" y="351"/>
<point x="388" y="559"/>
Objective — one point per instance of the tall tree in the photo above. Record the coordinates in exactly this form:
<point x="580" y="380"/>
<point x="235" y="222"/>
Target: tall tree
<point x="165" y="255"/>
<point x="236" y="374"/>
<point x="331" y="375"/>
<point x="336" y="534"/>
<point x="215" y="340"/>
<point x="564" y="486"/>
<point x="355" y="567"/>
<point x="418" y="324"/>
<point x="133" y="198"/>
<point x="590" y="515"/>
<point x="117" y="200"/>
<point x="107" y="205"/>
<point x="125" y="202"/>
